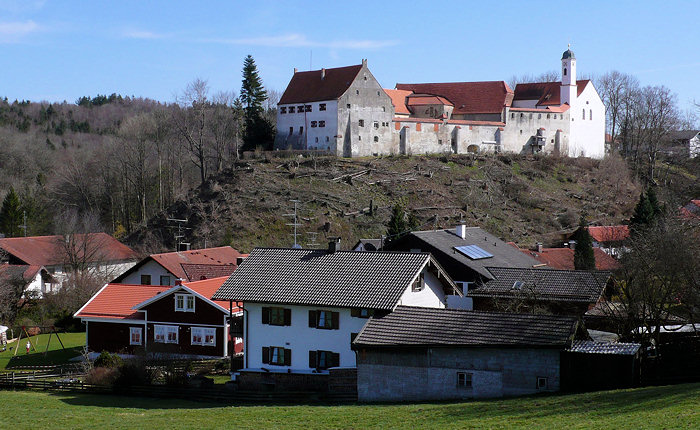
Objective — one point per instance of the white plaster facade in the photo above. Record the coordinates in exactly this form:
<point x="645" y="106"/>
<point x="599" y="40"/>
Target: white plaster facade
<point x="300" y="338"/>
<point x="152" y="269"/>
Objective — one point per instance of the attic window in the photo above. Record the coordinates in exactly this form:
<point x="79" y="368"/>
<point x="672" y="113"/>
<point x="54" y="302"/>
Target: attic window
<point x="517" y="285"/>
<point x="322" y="107"/>
<point x="184" y="302"/>
<point x="361" y="123"/>
<point x="357" y="92"/>
<point x="365" y="77"/>
<point x="283" y="110"/>
<point x="308" y="108"/>
<point x="376" y="138"/>
<point x="291" y="109"/>
<point x="313" y="124"/>
<point x="300" y="108"/>
<point x="418" y="284"/>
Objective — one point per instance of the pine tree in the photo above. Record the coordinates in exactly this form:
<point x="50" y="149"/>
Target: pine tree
<point x="645" y="212"/>
<point x="653" y="202"/>
<point x="11" y="214"/>
<point x="401" y="222"/>
<point x="258" y="130"/>
<point x="584" y="258"/>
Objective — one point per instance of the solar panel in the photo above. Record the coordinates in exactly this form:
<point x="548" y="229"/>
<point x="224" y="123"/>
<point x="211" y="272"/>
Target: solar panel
<point x="473" y="252"/>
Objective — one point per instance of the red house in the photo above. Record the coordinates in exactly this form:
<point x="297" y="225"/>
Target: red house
<point x="178" y="320"/>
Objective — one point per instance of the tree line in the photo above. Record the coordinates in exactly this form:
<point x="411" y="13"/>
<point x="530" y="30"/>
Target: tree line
<point x="124" y="159"/>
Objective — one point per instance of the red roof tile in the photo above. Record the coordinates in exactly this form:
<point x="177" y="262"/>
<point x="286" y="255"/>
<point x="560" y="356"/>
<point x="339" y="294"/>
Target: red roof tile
<point x="546" y="93"/>
<point x="398" y="99"/>
<point x="199" y="272"/>
<point x="49" y="250"/>
<point x="452" y="121"/>
<point x="547" y="109"/>
<point x="468" y="97"/>
<point x="563" y="258"/>
<point x="609" y="233"/>
<point x="309" y="87"/>
<point x="173" y="261"/>
<point x="116" y="301"/>
<point x="208" y="287"/>
<point x="427" y="99"/>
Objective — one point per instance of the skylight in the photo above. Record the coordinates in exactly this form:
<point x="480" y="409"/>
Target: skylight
<point x="473" y="252"/>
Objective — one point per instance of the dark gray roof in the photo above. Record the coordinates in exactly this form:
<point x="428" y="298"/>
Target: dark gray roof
<point x="316" y="277"/>
<point x="545" y="284"/>
<point x="504" y="255"/>
<point x="683" y="134"/>
<point x="568" y="54"/>
<point x="591" y="347"/>
<point x="414" y="326"/>
<point x="369" y="244"/>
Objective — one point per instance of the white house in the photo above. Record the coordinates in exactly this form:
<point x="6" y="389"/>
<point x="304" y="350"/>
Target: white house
<point x="302" y="308"/>
<point x="37" y="280"/>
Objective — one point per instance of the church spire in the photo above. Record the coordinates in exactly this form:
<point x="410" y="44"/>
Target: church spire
<point x="568" y="76"/>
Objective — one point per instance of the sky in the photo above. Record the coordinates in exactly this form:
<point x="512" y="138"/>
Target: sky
<point x="62" y="50"/>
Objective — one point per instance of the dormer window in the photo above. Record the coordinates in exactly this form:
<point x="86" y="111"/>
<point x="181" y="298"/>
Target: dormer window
<point x="418" y="284"/>
<point x="184" y="303"/>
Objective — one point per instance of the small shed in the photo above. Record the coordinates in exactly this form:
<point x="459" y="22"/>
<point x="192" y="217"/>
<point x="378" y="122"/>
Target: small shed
<point x="590" y="365"/>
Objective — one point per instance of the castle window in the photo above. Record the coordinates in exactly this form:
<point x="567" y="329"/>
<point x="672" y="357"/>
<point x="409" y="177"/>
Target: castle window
<point x="383" y="109"/>
<point x="300" y="108"/>
<point x="539" y="116"/>
<point x="317" y="140"/>
<point x="291" y="130"/>
<point x="376" y="124"/>
<point x="313" y="124"/>
<point x="327" y="139"/>
<point x="308" y="108"/>
<point x="322" y="107"/>
<point x="512" y="115"/>
<point x="301" y="130"/>
<point x="348" y="106"/>
<point x="377" y="92"/>
<point x="522" y="115"/>
<point x="547" y="116"/>
<point x="291" y="109"/>
<point x="359" y="137"/>
<point x="564" y="71"/>
<point x="376" y="138"/>
<point x="283" y="110"/>
<point x="322" y="123"/>
<point x="521" y="132"/>
<point x="357" y="92"/>
<point x="361" y="123"/>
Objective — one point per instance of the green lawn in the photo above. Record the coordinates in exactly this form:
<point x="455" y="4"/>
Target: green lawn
<point x="73" y="342"/>
<point x="653" y="408"/>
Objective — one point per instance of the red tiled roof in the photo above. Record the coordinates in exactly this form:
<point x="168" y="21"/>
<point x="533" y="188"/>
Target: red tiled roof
<point x="452" y="121"/>
<point x="547" y="109"/>
<point x="563" y="258"/>
<point x="173" y="261"/>
<point x="427" y="99"/>
<point x="199" y="272"/>
<point x="50" y="251"/>
<point x="398" y="99"/>
<point x="546" y="93"/>
<point x="609" y="233"/>
<point x="116" y="301"/>
<point x="208" y="287"/>
<point x="468" y="97"/>
<point x="309" y="87"/>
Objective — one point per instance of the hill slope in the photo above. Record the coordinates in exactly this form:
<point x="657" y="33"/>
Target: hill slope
<point x="518" y="198"/>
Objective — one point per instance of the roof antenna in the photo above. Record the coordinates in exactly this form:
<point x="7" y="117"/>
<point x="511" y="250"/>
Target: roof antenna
<point x="295" y="224"/>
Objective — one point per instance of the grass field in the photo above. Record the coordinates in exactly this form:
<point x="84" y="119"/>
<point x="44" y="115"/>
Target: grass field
<point x="644" y="408"/>
<point x="73" y="342"/>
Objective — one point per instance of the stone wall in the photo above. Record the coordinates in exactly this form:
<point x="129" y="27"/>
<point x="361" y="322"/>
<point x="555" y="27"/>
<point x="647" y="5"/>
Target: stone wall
<point x="431" y="374"/>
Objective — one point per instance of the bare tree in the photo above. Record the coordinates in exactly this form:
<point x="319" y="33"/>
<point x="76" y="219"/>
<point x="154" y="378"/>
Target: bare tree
<point x="615" y="90"/>
<point x="192" y="121"/>
<point x="13" y="293"/>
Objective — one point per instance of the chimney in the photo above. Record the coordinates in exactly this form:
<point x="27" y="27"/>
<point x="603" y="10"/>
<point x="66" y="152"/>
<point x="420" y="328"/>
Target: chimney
<point x="295" y="70"/>
<point x="178" y="281"/>
<point x="323" y="74"/>
<point x="334" y="245"/>
<point x="572" y="244"/>
<point x="539" y="247"/>
<point x="461" y="231"/>
<point x="364" y="62"/>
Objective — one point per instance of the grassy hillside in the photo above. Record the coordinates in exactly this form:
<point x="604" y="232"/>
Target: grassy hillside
<point x="524" y="199"/>
<point x="644" y="408"/>
<point x="73" y="343"/>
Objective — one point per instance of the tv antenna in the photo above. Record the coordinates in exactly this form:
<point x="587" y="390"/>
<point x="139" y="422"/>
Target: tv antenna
<point x="294" y="224"/>
<point x="24" y="224"/>
<point x="180" y="232"/>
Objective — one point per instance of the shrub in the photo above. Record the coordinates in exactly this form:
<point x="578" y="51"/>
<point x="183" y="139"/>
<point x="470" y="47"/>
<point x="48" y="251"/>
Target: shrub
<point x="134" y="372"/>
<point x="108" y="360"/>
<point x="101" y="376"/>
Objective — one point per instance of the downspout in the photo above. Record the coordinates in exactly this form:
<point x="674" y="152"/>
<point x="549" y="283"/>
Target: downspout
<point x="230" y="338"/>
<point x="245" y="337"/>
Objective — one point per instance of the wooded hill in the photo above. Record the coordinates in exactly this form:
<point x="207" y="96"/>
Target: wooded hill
<point x="518" y="198"/>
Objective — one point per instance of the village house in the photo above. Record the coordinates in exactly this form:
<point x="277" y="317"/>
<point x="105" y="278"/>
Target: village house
<point x="35" y="280"/>
<point x="564" y="292"/>
<point x="346" y="112"/>
<point x="465" y="253"/>
<point x="191" y="265"/>
<point x="302" y="308"/>
<point x="609" y="238"/>
<point x="418" y="354"/>
<point x="689" y="140"/>
<point x="99" y="253"/>
<point x="563" y="258"/>
<point x="179" y="320"/>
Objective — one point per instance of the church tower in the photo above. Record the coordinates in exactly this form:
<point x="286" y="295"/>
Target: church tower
<point x="568" y="77"/>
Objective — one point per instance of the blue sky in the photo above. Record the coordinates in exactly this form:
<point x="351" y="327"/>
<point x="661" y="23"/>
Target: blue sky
<point x="56" y="50"/>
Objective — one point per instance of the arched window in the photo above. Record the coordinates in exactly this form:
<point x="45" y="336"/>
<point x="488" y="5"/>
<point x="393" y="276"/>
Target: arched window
<point x="584" y="113"/>
<point x="590" y="114"/>
<point x="564" y="71"/>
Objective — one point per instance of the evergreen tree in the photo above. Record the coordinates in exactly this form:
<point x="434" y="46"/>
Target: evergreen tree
<point x="653" y="202"/>
<point x="258" y="130"/>
<point x="584" y="258"/>
<point x="646" y="212"/>
<point x="401" y="222"/>
<point x="11" y="214"/>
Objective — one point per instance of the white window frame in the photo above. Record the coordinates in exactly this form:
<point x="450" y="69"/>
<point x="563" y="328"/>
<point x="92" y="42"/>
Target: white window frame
<point x="163" y="332"/>
<point x="187" y="300"/>
<point x="135" y="330"/>
<point x="199" y="335"/>
<point x="465" y="380"/>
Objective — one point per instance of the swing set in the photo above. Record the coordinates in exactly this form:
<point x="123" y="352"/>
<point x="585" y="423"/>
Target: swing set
<point x="52" y="331"/>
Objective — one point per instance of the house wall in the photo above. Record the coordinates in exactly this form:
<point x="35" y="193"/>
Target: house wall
<point x="150" y="268"/>
<point x="587" y="136"/>
<point x="321" y="138"/>
<point x="522" y="126"/>
<point x="694" y="147"/>
<point x="416" y="137"/>
<point x="111" y="336"/>
<point x="163" y="310"/>
<point x="431" y="373"/>
<point x="184" y="345"/>
<point x="301" y="338"/>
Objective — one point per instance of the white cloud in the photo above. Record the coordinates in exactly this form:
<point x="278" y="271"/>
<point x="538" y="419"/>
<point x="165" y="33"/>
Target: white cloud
<point x="295" y="40"/>
<point x="143" y="34"/>
<point x="13" y="31"/>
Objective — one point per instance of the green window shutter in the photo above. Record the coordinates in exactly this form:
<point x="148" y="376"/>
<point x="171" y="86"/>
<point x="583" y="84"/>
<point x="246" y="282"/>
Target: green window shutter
<point x="287" y="357"/>
<point x="336" y="320"/>
<point x="312" y="318"/>
<point x="287" y="317"/>
<point x="355" y="312"/>
<point x="335" y="359"/>
<point x="266" y="315"/>
<point x="312" y="359"/>
<point x="265" y="355"/>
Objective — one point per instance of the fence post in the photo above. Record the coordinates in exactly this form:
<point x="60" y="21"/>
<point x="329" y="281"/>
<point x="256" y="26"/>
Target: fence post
<point x="13" y="379"/>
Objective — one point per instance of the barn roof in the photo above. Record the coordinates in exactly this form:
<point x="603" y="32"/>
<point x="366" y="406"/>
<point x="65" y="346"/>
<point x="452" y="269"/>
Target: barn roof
<point x="311" y="86"/>
<point x="563" y="258"/>
<point x="51" y="250"/>
<point x="410" y="326"/>
<point x="468" y="97"/>
<point x="546" y="93"/>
